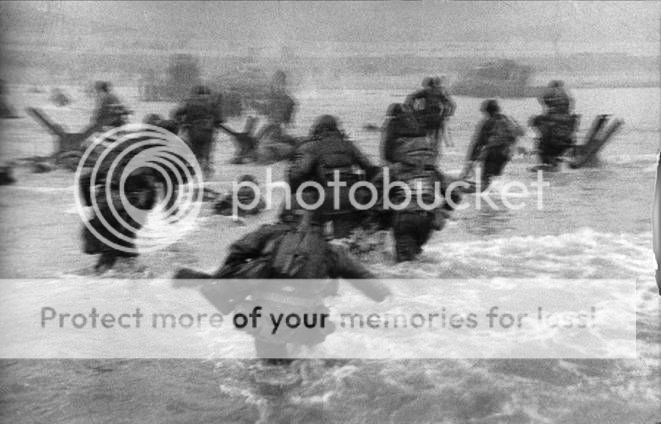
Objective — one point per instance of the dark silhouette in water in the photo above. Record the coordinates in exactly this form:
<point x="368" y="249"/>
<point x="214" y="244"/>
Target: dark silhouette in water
<point x="6" y="111"/>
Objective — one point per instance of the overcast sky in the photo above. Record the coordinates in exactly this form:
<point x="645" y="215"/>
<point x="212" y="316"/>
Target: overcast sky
<point x="601" y="22"/>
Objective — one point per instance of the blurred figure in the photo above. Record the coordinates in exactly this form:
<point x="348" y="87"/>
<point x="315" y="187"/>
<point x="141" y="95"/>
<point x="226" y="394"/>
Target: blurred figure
<point x="109" y="111"/>
<point x="116" y="226"/>
<point x="400" y="125"/>
<point x="198" y="119"/>
<point x="279" y="110"/>
<point x="6" y="175"/>
<point x="294" y="253"/>
<point x="556" y="99"/>
<point x="158" y="121"/>
<point x="557" y="126"/>
<point x="412" y="164"/>
<point x="6" y="111"/>
<point x="245" y="196"/>
<point x="328" y="152"/>
<point x="58" y="97"/>
<point x="492" y="143"/>
<point x="432" y="105"/>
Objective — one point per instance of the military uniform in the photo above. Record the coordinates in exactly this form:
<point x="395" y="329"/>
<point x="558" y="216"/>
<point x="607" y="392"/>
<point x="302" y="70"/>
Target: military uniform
<point x="400" y="124"/>
<point x="199" y="118"/>
<point x="273" y="143"/>
<point x="557" y="126"/>
<point x="557" y="134"/>
<point x="437" y="106"/>
<point x="245" y="196"/>
<point x="292" y="253"/>
<point x="140" y="190"/>
<point x="329" y="151"/>
<point x="412" y="225"/>
<point x="557" y="100"/>
<point x="492" y="144"/>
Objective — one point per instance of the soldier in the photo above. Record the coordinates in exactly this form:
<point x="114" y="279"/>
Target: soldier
<point x="556" y="126"/>
<point x="245" y="196"/>
<point x="400" y="124"/>
<point x="556" y="99"/>
<point x="109" y="111"/>
<point x="110" y="237"/>
<point x="158" y="121"/>
<point x="198" y="119"/>
<point x="492" y="143"/>
<point x="327" y="153"/>
<point x="273" y="142"/>
<point x="435" y="108"/>
<point x="422" y="211"/>
<point x="294" y="253"/>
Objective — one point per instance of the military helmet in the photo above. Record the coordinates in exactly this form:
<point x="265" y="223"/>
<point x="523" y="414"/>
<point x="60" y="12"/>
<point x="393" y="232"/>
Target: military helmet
<point x="395" y="109"/>
<point x="490" y="106"/>
<point x="102" y="86"/>
<point x="152" y="119"/>
<point x="247" y="178"/>
<point x="169" y="124"/>
<point x="324" y="123"/>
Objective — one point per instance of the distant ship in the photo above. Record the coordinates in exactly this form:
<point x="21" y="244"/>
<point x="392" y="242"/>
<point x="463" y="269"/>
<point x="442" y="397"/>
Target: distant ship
<point x="503" y="78"/>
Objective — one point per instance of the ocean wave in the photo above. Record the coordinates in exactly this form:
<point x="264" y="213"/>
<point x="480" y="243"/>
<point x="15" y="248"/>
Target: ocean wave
<point x="585" y="253"/>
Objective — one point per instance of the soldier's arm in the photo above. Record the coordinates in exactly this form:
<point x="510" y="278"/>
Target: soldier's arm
<point x="361" y="159"/>
<point x="478" y="141"/>
<point x="250" y="246"/>
<point x="360" y="277"/>
<point x="449" y="103"/>
<point x="344" y="266"/>
<point x="411" y="98"/>
<point x="388" y="142"/>
<point x="291" y="112"/>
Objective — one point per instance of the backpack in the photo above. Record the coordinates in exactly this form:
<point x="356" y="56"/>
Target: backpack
<point x="296" y="252"/>
<point x="503" y="133"/>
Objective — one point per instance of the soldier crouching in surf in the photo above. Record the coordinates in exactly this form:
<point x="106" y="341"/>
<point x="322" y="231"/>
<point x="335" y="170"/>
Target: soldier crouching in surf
<point x="294" y="251"/>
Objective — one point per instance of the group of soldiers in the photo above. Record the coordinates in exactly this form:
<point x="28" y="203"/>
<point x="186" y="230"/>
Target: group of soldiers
<point x="410" y="148"/>
<point x="299" y="245"/>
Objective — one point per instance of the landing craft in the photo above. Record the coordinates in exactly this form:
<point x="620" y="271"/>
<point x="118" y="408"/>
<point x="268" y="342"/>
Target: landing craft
<point x="504" y="79"/>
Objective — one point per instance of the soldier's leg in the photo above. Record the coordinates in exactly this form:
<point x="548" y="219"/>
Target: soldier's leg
<point x="424" y="229"/>
<point x="494" y="164"/>
<point x="404" y="232"/>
